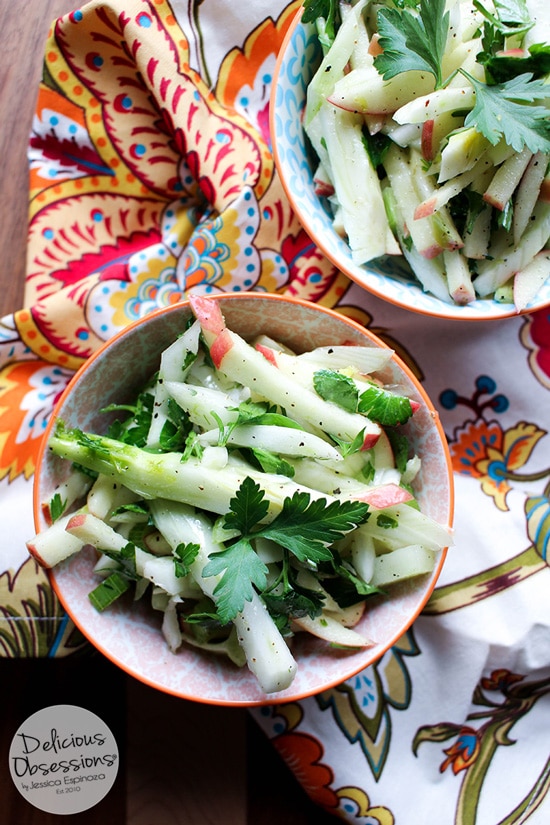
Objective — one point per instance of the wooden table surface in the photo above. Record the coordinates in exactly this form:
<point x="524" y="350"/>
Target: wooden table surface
<point x="180" y="762"/>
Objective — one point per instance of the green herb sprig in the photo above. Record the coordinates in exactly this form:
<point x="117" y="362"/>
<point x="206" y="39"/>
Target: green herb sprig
<point x="413" y="41"/>
<point x="304" y="527"/>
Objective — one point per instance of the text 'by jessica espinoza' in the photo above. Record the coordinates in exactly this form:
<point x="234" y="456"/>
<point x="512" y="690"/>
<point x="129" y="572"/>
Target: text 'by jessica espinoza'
<point x="42" y="759"/>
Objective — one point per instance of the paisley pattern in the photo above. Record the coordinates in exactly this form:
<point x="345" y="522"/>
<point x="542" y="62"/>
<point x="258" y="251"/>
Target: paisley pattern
<point x="151" y="174"/>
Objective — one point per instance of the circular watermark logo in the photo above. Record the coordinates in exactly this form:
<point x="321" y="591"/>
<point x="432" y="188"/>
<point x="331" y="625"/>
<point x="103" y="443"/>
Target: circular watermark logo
<point x="63" y="759"/>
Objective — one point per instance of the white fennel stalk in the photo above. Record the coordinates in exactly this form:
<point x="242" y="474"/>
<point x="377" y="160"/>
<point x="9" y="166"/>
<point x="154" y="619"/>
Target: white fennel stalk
<point x="267" y="654"/>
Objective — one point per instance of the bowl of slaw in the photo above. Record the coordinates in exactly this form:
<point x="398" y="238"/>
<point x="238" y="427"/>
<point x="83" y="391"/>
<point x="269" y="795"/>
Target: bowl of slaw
<point x="308" y="75"/>
<point x="129" y="631"/>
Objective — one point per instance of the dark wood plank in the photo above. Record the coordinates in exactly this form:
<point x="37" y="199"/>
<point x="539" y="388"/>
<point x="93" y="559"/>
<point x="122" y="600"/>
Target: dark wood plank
<point x="23" y="40"/>
<point x="186" y="761"/>
<point x="274" y="794"/>
<point x="88" y="681"/>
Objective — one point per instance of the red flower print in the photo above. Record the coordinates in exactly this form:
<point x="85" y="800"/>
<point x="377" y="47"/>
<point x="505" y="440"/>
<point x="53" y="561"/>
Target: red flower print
<point x="500" y="679"/>
<point x="303" y="754"/>
<point x="535" y="336"/>
<point x="471" y="443"/>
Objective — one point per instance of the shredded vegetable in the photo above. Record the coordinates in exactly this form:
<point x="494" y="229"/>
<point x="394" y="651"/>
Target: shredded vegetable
<point x="281" y="501"/>
<point x="431" y="129"/>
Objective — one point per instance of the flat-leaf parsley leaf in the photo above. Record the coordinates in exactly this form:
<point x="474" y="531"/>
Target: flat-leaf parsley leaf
<point x="185" y="555"/>
<point x="240" y="568"/>
<point x="305" y="528"/>
<point x="247" y="507"/>
<point x="384" y="406"/>
<point x="336" y="387"/>
<point x="500" y="111"/>
<point x="411" y="41"/>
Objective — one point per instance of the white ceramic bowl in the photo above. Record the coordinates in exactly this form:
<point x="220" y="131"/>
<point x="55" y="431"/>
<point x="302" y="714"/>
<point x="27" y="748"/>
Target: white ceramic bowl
<point x="391" y="278"/>
<point x="129" y="633"/>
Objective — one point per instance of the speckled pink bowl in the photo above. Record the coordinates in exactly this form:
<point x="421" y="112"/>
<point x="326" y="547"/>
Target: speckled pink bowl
<point x="129" y="634"/>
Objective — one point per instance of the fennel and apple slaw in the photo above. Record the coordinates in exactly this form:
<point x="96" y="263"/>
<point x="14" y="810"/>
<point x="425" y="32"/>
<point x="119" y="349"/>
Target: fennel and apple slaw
<point x="430" y="124"/>
<point x="250" y="494"/>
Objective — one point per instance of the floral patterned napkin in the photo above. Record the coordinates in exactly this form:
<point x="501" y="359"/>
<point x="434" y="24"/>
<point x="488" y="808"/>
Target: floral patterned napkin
<point x="152" y="174"/>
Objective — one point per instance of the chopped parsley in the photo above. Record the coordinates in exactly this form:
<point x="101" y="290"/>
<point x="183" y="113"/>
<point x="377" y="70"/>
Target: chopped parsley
<point x="57" y="506"/>
<point x="184" y="556"/>
<point x="326" y="16"/>
<point x="135" y="427"/>
<point x="386" y="522"/>
<point x="109" y="590"/>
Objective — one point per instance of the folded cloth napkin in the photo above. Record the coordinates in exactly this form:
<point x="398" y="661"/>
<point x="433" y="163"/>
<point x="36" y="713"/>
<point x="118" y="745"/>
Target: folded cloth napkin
<point x="151" y="175"/>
